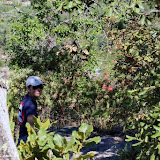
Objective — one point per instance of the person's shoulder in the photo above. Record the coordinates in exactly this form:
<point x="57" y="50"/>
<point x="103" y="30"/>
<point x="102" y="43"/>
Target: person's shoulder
<point x="27" y="99"/>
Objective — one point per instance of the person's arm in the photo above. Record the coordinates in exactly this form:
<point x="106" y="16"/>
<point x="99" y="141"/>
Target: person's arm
<point x="30" y="120"/>
<point x="30" y="112"/>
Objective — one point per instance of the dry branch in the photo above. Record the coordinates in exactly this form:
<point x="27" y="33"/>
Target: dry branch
<point x="17" y="9"/>
<point x="152" y="11"/>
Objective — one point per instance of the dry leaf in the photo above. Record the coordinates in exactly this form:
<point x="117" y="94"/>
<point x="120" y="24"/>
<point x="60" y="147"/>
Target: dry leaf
<point x="85" y="52"/>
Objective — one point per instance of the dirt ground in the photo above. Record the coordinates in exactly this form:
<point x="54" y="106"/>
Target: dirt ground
<point x="105" y="150"/>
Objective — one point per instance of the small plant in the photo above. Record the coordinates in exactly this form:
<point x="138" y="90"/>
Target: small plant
<point x="40" y="143"/>
<point x="148" y="136"/>
<point x="128" y="153"/>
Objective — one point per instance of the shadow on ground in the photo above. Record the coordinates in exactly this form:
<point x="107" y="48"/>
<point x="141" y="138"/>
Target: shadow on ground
<point x="105" y="150"/>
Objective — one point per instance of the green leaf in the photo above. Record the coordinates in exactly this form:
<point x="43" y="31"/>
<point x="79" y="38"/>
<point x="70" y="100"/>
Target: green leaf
<point x="142" y="92"/>
<point x="77" y="1"/>
<point x="130" y="138"/>
<point x="42" y="137"/>
<point x="50" y="142"/>
<point x="76" y="135"/>
<point x="58" y="158"/>
<point x="90" y="155"/>
<point x="141" y="6"/>
<point x="81" y="135"/>
<point x="73" y="148"/>
<point x="137" y="10"/>
<point x="71" y="143"/>
<point x="37" y="122"/>
<point x="41" y="133"/>
<point x="59" y="141"/>
<point x="156" y="135"/>
<point x="136" y="144"/>
<point x="148" y="22"/>
<point x="30" y="130"/>
<point x="158" y="149"/>
<point x="67" y="156"/>
<point x="83" y="128"/>
<point x="152" y="157"/>
<point x="92" y="141"/>
<point x="109" y="12"/>
<point x="32" y="138"/>
<point x="12" y="125"/>
<point x="45" y="125"/>
<point x="86" y="129"/>
<point x="60" y="6"/>
<point x="142" y="124"/>
<point x="157" y="128"/>
<point x="142" y="21"/>
<point x="146" y="139"/>
<point x="105" y="113"/>
<point x="80" y="10"/>
<point x="70" y="4"/>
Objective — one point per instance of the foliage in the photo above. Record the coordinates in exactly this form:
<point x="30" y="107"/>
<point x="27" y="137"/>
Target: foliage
<point x="40" y="142"/>
<point x="8" y="10"/>
<point x="12" y="123"/>
<point x="61" y="43"/>
<point x="39" y="37"/>
<point x="62" y="51"/>
<point x="64" y="99"/>
<point x="17" y="87"/>
<point x="128" y="153"/>
<point x="136" y="45"/>
<point x="138" y="73"/>
<point x="148" y="136"/>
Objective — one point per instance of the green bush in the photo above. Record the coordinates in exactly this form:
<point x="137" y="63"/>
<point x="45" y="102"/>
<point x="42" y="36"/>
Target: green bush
<point x="40" y="142"/>
<point x="66" y="99"/>
<point x="148" y="136"/>
<point x="137" y="72"/>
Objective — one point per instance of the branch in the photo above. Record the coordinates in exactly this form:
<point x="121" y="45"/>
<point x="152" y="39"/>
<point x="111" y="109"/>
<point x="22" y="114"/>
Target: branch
<point x="1" y="75"/>
<point x="144" y="89"/>
<point x="66" y="21"/>
<point x="106" y="36"/>
<point x="7" y="12"/>
<point x="151" y="11"/>
<point x="17" y="9"/>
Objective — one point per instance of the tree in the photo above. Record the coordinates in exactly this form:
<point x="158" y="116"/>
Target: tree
<point x="59" y="43"/>
<point x="8" y="149"/>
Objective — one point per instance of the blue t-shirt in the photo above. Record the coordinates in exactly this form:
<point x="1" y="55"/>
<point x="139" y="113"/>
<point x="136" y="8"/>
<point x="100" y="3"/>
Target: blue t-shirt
<point x="27" y="107"/>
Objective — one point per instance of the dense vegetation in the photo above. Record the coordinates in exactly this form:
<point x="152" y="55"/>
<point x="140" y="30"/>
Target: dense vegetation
<point x="64" y="42"/>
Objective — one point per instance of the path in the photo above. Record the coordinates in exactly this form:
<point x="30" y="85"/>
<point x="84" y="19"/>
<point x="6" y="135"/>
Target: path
<point x="105" y="150"/>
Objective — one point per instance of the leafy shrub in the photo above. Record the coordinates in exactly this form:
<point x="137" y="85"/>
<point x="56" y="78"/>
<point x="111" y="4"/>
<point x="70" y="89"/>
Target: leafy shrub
<point x="40" y="142"/>
<point x="148" y="135"/>
<point x="137" y="73"/>
<point x="62" y="51"/>
<point x="70" y="94"/>
<point x="66" y="99"/>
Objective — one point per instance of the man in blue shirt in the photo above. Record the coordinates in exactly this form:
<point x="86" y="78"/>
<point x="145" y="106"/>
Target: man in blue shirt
<point x="28" y="105"/>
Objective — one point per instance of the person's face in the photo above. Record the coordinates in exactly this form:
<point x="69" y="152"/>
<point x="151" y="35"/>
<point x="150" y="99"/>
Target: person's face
<point x="35" y="91"/>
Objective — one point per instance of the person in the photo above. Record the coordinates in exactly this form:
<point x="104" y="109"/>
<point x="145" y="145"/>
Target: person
<point x="28" y="105"/>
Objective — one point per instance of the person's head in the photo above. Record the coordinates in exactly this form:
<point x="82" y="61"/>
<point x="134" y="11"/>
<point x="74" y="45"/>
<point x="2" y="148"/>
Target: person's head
<point x="34" y="86"/>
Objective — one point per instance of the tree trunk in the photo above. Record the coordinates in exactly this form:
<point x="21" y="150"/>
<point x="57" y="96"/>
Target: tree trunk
<point x="8" y="148"/>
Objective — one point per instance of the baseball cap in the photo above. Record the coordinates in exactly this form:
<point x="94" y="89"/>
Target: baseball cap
<point x="33" y="81"/>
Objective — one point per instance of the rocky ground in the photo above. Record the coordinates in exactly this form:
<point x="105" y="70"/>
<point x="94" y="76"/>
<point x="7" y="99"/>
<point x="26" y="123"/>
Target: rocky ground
<point x="107" y="149"/>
